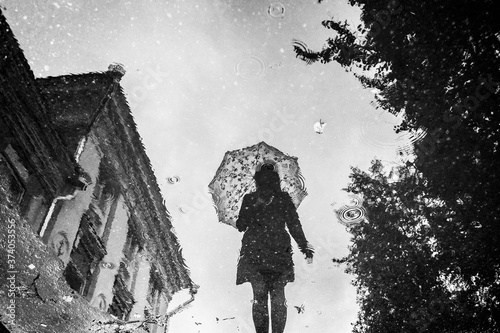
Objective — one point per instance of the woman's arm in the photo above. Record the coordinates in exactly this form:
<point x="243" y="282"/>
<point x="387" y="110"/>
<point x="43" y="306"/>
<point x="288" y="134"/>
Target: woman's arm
<point x="295" y="228"/>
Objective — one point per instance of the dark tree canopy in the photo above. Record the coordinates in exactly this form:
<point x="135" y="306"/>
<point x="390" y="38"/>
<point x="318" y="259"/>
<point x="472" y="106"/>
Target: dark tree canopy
<point x="437" y="63"/>
<point x="411" y="274"/>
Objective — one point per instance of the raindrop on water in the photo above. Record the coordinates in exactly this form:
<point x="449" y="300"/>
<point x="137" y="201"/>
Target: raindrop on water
<point x="173" y="179"/>
<point x="110" y="194"/>
<point x="301" y="45"/>
<point x="249" y="67"/>
<point x="183" y="209"/>
<point x="351" y="212"/>
<point x="412" y="140"/>
<point x="276" y="65"/>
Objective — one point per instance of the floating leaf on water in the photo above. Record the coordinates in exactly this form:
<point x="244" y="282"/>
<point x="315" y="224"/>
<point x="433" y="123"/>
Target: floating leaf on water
<point x="319" y="127"/>
<point x="300" y="309"/>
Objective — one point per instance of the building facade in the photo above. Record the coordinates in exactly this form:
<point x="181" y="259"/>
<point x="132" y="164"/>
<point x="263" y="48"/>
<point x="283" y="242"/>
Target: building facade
<point x="77" y="170"/>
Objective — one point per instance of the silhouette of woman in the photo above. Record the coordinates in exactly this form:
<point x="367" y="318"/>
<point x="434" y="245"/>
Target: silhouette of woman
<point x="266" y="252"/>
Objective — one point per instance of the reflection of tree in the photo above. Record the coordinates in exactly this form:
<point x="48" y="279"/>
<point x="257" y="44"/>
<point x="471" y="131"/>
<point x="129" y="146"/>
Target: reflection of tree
<point x="411" y="274"/>
<point x="435" y="63"/>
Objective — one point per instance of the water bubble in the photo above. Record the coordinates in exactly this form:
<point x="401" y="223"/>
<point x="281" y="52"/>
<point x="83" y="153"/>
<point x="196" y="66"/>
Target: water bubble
<point x="276" y="10"/>
<point x="352" y="212"/>
<point x="173" y="179"/>
<point x="249" y="67"/>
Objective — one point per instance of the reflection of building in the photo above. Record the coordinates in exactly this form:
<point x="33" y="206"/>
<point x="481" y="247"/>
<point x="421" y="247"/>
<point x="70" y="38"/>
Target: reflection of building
<point x="76" y="167"/>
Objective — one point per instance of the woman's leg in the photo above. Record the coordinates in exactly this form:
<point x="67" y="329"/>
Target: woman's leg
<point x="278" y="307"/>
<point x="260" y="310"/>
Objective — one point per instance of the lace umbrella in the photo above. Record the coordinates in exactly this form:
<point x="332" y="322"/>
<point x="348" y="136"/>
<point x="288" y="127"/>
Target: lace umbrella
<point x="234" y="178"/>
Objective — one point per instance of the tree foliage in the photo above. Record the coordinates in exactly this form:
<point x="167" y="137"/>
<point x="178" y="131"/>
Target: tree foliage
<point x="436" y="63"/>
<point x="408" y="278"/>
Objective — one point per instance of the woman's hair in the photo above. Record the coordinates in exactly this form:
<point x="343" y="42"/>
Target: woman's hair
<point x="267" y="179"/>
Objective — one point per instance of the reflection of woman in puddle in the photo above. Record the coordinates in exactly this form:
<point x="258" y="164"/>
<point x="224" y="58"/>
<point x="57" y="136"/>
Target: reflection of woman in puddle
<point x="266" y="253"/>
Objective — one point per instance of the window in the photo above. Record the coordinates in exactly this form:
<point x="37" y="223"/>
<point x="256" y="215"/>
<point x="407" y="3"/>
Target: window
<point x="123" y="300"/>
<point x="104" y="203"/>
<point x="88" y="251"/>
<point x="155" y="288"/>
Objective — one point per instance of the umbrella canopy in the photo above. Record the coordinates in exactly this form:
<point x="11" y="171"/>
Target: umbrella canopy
<point x="234" y="178"/>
